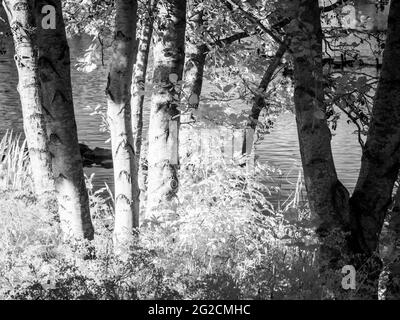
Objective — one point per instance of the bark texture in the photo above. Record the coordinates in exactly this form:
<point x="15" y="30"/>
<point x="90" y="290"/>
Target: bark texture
<point x="169" y="55"/>
<point x="22" y="23"/>
<point x="55" y="76"/>
<point x="380" y="162"/>
<point x="328" y="198"/>
<point x="139" y="76"/>
<point x="393" y="259"/>
<point x="196" y="53"/>
<point x="119" y="117"/>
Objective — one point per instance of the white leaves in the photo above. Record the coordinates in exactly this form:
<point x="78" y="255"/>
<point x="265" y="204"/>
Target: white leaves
<point x="100" y="111"/>
<point x="173" y="77"/>
<point x="85" y="67"/>
<point x="87" y="63"/>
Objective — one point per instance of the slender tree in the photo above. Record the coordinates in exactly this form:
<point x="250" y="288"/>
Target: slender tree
<point x="119" y="116"/>
<point x="22" y="23"/>
<point x="328" y="198"/>
<point x="360" y="219"/>
<point x="139" y="75"/>
<point x="196" y="53"/>
<point x="55" y="76"/>
<point x="169" y="55"/>
<point x="380" y="162"/>
<point x="259" y="99"/>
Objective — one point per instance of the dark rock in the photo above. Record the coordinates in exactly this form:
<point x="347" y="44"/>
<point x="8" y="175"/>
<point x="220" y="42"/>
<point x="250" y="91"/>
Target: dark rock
<point x="108" y="164"/>
<point x="99" y="156"/>
<point x="102" y="155"/>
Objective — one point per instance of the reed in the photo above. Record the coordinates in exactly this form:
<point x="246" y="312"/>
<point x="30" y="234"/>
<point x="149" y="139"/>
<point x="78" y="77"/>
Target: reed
<point x="14" y="163"/>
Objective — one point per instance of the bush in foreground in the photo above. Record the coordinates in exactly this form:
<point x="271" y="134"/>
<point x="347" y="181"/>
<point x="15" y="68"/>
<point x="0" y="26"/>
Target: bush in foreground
<point x="228" y="242"/>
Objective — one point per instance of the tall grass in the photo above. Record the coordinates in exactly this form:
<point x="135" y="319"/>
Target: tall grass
<point x="14" y="163"/>
<point x="227" y="242"/>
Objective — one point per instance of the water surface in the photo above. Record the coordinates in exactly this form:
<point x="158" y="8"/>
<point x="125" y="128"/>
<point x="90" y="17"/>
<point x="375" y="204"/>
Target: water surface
<point x="280" y="147"/>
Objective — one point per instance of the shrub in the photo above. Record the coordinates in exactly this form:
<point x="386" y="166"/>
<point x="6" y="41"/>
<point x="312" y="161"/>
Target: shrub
<point x="228" y="242"/>
<point x="14" y="163"/>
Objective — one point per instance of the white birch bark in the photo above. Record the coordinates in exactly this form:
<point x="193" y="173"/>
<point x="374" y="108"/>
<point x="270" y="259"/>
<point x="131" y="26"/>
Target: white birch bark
<point x="21" y="20"/>
<point x="169" y="54"/>
<point x="55" y="75"/>
<point x="119" y="117"/>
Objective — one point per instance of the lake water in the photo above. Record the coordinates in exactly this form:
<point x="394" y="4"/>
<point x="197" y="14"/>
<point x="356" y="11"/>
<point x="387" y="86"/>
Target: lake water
<point x="280" y="147"/>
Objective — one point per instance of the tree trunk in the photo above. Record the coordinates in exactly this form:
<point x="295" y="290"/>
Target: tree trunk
<point x="259" y="99"/>
<point x="328" y="198"/>
<point x="55" y="76"/>
<point x="380" y="162"/>
<point x="21" y="20"/>
<point x="119" y="117"/>
<point x="393" y="259"/>
<point x="196" y="53"/>
<point x="139" y="76"/>
<point x="169" y="55"/>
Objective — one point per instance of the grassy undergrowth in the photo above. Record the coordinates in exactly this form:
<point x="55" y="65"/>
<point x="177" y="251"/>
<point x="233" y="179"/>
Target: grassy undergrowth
<point x="229" y="242"/>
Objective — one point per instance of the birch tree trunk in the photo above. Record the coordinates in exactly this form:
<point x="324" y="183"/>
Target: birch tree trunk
<point x="55" y="76"/>
<point x="196" y="53"/>
<point x="139" y="76"/>
<point x="328" y="198"/>
<point x="119" y="117"/>
<point x="380" y="162"/>
<point x="22" y="23"/>
<point x="169" y="55"/>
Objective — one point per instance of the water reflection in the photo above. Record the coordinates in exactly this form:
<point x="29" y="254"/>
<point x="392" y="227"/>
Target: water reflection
<point x="281" y="148"/>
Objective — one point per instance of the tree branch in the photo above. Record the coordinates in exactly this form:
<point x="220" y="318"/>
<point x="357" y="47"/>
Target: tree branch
<point x="231" y="39"/>
<point x="231" y="6"/>
<point x="259" y="100"/>
<point x="284" y="22"/>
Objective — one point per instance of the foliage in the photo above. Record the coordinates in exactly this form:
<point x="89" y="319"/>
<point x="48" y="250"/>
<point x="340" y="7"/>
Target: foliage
<point x="222" y="246"/>
<point x="233" y="72"/>
<point x="56" y="270"/>
<point x="14" y="163"/>
<point x="229" y="242"/>
<point x="350" y="41"/>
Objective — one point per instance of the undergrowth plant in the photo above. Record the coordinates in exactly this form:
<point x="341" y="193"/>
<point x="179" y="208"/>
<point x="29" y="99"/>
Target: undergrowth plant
<point x="228" y="242"/>
<point x="14" y="163"/>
